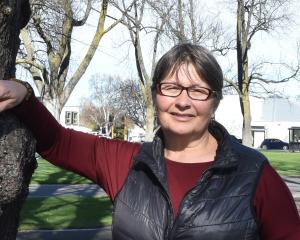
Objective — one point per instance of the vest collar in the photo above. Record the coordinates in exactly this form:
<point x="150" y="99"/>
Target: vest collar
<point x="226" y="157"/>
<point x="152" y="153"/>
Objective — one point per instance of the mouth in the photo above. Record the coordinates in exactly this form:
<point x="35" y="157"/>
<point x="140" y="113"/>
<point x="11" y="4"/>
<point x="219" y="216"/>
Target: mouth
<point x="182" y="116"/>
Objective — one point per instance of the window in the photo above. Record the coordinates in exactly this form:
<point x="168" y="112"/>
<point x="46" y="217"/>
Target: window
<point x="68" y="118"/>
<point x="74" y="118"/>
<point x="71" y="118"/>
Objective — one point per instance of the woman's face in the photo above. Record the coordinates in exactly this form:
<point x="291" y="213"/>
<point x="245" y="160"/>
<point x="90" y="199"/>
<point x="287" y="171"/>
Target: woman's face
<point x="182" y="115"/>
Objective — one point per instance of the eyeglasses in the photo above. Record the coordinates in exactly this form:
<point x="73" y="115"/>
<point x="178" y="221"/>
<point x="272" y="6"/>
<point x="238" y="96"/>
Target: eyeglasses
<point x="194" y="92"/>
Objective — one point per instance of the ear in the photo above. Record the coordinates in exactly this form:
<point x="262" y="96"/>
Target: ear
<point x="212" y="117"/>
<point x="215" y="107"/>
<point x="216" y="104"/>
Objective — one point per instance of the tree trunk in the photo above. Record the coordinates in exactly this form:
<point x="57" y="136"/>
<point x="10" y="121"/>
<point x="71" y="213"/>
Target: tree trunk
<point x="149" y="122"/>
<point x="247" y="134"/>
<point x="17" y="145"/>
<point x="243" y="72"/>
<point x="54" y="106"/>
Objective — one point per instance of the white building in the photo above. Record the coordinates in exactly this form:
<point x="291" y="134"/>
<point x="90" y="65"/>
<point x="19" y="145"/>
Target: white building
<point x="136" y="134"/>
<point x="70" y="118"/>
<point x="271" y="117"/>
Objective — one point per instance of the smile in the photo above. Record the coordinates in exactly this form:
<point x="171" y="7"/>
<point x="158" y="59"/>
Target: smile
<point x="182" y="117"/>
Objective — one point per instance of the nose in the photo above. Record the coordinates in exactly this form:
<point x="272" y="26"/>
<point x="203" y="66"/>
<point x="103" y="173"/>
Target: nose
<point x="183" y="101"/>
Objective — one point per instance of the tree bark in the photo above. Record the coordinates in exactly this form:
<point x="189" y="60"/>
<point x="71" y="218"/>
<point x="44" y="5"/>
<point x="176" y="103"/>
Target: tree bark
<point x="17" y="145"/>
<point x="243" y="71"/>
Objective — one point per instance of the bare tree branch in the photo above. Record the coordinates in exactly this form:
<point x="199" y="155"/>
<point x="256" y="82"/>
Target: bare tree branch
<point x="82" y="21"/>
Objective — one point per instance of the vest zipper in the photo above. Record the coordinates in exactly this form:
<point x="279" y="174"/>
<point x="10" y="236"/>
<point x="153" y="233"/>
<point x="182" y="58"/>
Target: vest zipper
<point x="202" y="180"/>
<point x="170" y="213"/>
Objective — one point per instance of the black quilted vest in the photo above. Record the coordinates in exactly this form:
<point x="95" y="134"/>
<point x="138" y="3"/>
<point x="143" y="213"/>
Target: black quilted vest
<point x="218" y="207"/>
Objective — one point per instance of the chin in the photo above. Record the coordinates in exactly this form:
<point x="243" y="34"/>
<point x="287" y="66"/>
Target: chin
<point x="179" y="131"/>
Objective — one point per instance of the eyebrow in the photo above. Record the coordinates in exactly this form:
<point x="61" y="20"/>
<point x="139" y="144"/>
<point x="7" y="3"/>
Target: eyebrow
<point x="194" y="85"/>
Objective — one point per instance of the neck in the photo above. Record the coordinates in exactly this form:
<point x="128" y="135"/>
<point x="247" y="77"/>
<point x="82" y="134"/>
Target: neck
<point x="190" y="149"/>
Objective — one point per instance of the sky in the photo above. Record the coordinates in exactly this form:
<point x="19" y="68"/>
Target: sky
<point x="114" y="57"/>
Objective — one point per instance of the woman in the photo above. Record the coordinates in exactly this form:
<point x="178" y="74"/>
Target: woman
<point x="193" y="181"/>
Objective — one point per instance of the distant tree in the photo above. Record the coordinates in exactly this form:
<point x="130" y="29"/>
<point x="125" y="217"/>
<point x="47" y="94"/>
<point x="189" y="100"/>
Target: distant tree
<point x="131" y="100"/>
<point x="112" y="102"/>
<point x="186" y="21"/>
<point x="17" y="161"/>
<point x="100" y="108"/>
<point x="90" y="115"/>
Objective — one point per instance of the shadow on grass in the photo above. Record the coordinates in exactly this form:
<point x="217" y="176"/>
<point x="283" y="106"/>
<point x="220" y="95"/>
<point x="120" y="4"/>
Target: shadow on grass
<point x="50" y="174"/>
<point x="66" y="212"/>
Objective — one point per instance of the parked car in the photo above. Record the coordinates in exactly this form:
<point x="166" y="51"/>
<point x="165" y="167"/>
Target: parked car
<point x="274" y="143"/>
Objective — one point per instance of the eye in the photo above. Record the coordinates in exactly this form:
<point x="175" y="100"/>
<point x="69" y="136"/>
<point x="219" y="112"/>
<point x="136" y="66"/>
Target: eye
<point x="199" y="91"/>
<point x="170" y="87"/>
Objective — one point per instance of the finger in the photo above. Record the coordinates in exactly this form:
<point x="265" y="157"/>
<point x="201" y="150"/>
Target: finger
<point x="6" y="104"/>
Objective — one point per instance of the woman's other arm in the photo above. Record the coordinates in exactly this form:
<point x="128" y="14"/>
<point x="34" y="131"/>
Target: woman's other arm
<point x="275" y="208"/>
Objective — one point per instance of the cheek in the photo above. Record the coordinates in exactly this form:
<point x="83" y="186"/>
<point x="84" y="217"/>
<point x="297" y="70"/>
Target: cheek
<point x="162" y="103"/>
<point x="162" y="106"/>
<point x="205" y="109"/>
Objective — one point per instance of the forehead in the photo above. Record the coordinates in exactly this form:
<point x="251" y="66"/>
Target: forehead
<point x="185" y="74"/>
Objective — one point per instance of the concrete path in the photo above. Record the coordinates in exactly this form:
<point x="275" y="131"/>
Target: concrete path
<point x="94" y="190"/>
<point x="294" y="185"/>
<point x="47" y="190"/>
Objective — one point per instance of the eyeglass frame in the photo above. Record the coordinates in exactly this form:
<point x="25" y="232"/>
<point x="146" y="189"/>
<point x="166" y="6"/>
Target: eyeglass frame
<point x="211" y="93"/>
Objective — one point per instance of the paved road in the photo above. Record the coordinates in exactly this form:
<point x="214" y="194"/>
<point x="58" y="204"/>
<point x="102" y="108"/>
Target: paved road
<point x="94" y="190"/>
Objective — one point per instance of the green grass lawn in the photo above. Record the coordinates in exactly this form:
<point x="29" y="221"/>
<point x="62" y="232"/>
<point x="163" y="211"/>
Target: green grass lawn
<point x="286" y="163"/>
<point x="46" y="173"/>
<point x="65" y="212"/>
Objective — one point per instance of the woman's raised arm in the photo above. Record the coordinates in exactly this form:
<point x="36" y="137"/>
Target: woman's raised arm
<point x="104" y="161"/>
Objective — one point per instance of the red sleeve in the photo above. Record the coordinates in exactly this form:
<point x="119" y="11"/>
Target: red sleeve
<point x="275" y="208"/>
<point x="104" y="161"/>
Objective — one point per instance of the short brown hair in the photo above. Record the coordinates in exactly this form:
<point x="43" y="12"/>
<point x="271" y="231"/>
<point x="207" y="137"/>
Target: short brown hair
<point x="205" y="63"/>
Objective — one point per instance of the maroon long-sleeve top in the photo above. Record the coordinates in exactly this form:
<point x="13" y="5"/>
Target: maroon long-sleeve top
<point x="107" y="163"/>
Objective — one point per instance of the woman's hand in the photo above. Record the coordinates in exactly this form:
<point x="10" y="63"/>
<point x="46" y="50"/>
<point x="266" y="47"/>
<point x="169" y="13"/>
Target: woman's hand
<point x="11" y="94"/>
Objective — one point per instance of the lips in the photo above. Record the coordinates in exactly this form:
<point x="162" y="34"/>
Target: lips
<point x="182" y="116"/>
